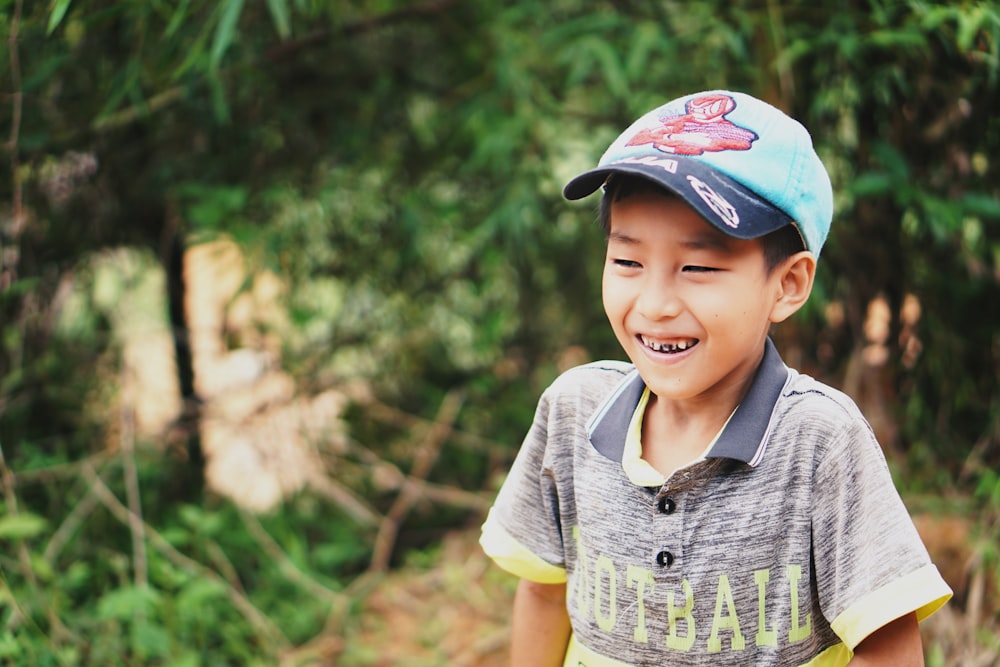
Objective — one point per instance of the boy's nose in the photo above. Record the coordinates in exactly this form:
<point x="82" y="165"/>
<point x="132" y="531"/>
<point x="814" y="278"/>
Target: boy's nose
<point x="658" y="300"/>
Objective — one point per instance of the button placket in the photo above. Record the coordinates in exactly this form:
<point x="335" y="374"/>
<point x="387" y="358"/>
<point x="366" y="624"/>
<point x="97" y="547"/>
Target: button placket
<point x="669" y="531"/>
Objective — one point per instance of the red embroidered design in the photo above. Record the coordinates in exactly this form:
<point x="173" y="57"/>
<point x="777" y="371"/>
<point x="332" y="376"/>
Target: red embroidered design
<point x="703" y="128"/>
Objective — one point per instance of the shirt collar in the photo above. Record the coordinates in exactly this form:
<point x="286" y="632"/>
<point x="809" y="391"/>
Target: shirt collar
<point x="744" y="437"/>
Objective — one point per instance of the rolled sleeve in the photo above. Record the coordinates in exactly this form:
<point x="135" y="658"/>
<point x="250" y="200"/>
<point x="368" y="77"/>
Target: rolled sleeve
<point x="514" y="557"/>
<point x="901" y="596"/>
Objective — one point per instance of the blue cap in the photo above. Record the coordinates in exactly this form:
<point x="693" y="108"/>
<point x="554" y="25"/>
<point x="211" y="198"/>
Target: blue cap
<point x="745" y="166"/>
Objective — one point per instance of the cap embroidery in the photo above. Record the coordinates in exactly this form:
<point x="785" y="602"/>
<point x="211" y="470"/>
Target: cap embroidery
<point x="722" y="208"/>
<point x="704" y="128"/>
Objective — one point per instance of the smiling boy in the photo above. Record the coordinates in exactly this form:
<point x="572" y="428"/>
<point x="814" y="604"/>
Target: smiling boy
<point x="706" y="504"/>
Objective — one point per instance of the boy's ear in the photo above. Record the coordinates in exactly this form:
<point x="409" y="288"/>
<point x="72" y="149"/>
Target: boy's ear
<point x="795" y="281"/>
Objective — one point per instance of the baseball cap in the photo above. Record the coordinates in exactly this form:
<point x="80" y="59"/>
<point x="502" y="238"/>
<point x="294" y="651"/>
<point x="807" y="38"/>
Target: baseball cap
<point x="744" y="165"/>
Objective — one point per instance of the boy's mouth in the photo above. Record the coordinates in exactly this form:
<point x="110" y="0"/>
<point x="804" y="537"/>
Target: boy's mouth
<point x="668" y="347"/>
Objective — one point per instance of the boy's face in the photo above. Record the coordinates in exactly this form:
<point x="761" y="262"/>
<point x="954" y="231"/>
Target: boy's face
<point x="690" y="305"/>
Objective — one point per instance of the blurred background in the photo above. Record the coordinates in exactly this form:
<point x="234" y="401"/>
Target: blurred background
<point x="281" y="282"/>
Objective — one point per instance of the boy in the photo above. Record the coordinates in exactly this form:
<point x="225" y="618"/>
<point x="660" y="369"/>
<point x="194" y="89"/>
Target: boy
<point x="706" y="504"/>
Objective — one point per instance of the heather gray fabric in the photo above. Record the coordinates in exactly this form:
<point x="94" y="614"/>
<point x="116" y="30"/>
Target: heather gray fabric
<point x="744" y="558"/>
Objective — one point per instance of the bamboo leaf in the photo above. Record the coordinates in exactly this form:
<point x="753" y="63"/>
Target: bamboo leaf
<point x="982" y="204"/>
<point x="59" y="10"/>
<point x="225" y="30"/>
<point x="871" y="183"/>
<point x="969" y="24"/>
<point x="177" y="19"/>
<point x="280" y="16"/>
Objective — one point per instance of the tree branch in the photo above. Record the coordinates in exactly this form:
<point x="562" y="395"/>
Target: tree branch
<point x="426" y="455"/>
<point x="470" y="441"/>
<point x="23" y="557"/>
<point x="332" y="490"/>
<point x="64" y="532"/>
<point x="127" y="442"/>
<point x="285" y="564"/>
<point x="260" y="622"/>
<point x="7" y="274"/>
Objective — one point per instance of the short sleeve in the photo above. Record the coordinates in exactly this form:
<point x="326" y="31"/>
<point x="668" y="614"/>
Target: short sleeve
<point x="514" y="557"/>
<point x="523" y="530"/>
<point x="871" y="565"/>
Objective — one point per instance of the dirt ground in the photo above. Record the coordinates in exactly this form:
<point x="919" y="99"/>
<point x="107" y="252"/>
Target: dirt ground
<point x="454" y="611"/>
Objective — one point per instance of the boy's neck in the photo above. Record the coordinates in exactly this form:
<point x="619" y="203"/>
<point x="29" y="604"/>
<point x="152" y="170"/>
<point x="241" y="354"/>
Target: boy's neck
<point x="674" y="435"/>
<point x="677" y="432"/>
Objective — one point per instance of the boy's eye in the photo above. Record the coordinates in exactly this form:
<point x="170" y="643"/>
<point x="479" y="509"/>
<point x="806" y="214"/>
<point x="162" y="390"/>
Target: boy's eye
<point x="626" y="263"/>
<point x="699" y="269"/>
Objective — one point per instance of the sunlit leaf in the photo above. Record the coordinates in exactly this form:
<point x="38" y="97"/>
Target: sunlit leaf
<point x="10" y="646"/>
<point x="898" y="39"/>
<point x="126" y="603"/>
<point x="933" y="17"/>
<point x="187" y="659"/>
<point x="198" y="593"/>
<point x="150" y="640"/>
<point x="969" y="23"/>
<point x="280" y="16"/>
<point x="21" y="526"/>
<point x="59" y="10"/>
<point x="225" y="31"/>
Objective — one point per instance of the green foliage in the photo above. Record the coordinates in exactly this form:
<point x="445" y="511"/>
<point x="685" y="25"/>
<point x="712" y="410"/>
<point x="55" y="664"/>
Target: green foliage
<point x="76" y="603"/>
<point x="58" y="12"/>
<point x="21" y="526"/>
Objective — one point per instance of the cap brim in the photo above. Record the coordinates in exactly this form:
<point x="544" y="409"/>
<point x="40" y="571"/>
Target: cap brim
<point x="722" y="201"/>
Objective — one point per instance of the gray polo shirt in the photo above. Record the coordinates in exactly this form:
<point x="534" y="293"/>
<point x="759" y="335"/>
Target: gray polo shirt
<point x="787" y="544"/>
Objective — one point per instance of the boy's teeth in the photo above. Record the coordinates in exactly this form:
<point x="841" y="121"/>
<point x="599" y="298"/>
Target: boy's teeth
<point x="668" y="347"/>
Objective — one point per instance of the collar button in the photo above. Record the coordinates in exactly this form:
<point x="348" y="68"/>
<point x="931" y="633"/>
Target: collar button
<point x="666" y="505"/>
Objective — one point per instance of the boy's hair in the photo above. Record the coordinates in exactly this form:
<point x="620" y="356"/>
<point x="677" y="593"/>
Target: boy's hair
<point x="778" y="245"/>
